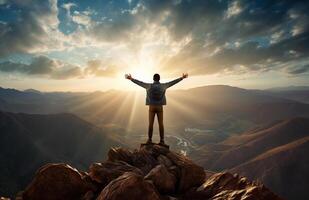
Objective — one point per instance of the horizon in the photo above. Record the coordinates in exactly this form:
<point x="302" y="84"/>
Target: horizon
<point x="60" y="45"/>
<point x="140" y="89"/>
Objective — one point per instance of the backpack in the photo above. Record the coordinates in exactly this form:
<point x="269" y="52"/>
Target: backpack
<point x="155" y="92"/>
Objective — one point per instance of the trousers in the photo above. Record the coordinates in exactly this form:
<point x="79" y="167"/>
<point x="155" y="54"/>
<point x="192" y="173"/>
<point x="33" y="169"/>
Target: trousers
<point x="153" y="111"/>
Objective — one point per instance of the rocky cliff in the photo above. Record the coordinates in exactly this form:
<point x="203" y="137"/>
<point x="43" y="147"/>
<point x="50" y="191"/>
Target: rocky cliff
<point x="150" y="173"/>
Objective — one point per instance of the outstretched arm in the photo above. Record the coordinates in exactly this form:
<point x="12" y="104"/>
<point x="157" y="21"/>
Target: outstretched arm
<point x="140" y="83"/>
<point x="171" y="83"/>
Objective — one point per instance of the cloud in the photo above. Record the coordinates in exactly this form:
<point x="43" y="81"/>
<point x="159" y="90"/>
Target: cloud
<point x="82" y="19"/>
<point x="120" y="29"/>
<point x="34" y="28"/>
<point x="43" y="66"/>
<point x="2" y="2"/>
<point x="238" y="35"/>
<point x="67" y="71"/>
<point x="250" y="55"/>
<point x="233" y="9"/>
<point x="216" y="36"/>
<point x="296" y="70"/>
<point x="200" y="36"/>
<point x="68" y="7"/>
<point x="101" y="69"/>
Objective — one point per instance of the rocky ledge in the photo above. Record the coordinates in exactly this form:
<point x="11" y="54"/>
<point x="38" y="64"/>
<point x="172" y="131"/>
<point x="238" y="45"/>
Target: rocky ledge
<point x="149" y="173"/>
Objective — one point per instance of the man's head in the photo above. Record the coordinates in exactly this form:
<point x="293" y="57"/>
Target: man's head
<point x="156" y="77"/>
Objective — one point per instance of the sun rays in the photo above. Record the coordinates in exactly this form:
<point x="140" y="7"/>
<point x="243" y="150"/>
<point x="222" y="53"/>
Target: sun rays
<point x="136" y="100"/>
<point x="181" y="107"/>
<point x="107" y="104"/>
<point x="128" y="109"/>
<point x="121" y="114"/>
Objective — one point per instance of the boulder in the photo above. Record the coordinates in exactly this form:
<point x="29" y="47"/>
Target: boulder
<point x="189" y="174"/>
<point x="141" y="158"/>
<point x="129" y="186"/>
<point x="120" y="154"/>
<point x="107" y="171"/>
<point x="56" y="181"/>
<point x="163" y="160"/>
<point x="144" y="160"/>
<point x="155" y="150"/>
<point x="152" y="172"/>
<point x="164" y="181"/>
<point x="91" y="184"/>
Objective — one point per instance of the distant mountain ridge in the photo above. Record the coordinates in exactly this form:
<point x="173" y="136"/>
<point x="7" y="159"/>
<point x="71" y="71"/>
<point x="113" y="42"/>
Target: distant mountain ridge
<point x="289" y="88"/>
<point x="223" y="110"/>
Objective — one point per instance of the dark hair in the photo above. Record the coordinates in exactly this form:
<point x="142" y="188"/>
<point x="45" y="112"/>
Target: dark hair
<point x="156" y="77"/>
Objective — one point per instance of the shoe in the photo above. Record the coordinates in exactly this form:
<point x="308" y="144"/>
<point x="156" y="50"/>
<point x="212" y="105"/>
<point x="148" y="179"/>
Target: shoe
<point x="162" y="143"/>
<point x="149" y="141"/>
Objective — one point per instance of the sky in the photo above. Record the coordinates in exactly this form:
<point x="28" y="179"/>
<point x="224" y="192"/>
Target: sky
<point x="78" y="45"/>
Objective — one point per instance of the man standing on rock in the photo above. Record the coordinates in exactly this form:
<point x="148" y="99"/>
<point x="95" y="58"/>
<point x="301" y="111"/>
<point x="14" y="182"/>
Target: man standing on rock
<point x="156" y="99"/>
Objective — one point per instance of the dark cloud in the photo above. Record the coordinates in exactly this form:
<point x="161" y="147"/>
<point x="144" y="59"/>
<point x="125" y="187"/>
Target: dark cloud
<point x="45" y="67"/>
<point x="296" y="70"/>
<point x="29" y="30"/>
<point x="250" y="55"/>
<point x="244" y="38"/>
<point x="67" y="72"/>
<point x="41" y="65"/>
<point x="12" y="67"/>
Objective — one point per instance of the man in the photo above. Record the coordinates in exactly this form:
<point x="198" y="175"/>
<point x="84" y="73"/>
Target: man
<point x="156" y="99"/>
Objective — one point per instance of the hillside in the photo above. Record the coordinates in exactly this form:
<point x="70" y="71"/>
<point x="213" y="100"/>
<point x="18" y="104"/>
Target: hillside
<point x="275" y="154"/>
<point x="149" y="173"/>
<point x="256" y="143"/>
<point x="282" y="168"/>
<point x="28" y="141"/>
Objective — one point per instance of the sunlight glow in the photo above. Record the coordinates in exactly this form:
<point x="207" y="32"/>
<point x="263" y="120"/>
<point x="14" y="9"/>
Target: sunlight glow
<point x="118" y="115"/>
<point x="133" y="110"/>
<point x="143" y="65"/>
<point x="181" y="107"/>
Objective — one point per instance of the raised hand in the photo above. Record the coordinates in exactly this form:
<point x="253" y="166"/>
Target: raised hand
<point x="185" y="75"/>
<point x="128" y="76"/>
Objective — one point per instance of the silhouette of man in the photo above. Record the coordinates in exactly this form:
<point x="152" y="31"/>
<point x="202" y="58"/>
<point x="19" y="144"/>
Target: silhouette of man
<point x="156" y="99"/>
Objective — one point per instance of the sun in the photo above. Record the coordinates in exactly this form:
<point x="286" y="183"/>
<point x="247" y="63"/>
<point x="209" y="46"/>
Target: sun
<point x="142" y="73"/>
<point x="144" y="65"/>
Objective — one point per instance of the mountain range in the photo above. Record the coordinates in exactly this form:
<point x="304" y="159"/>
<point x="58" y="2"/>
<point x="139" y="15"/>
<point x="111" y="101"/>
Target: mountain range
<point x="221" y="109"/>
<point x="261" y="134"/>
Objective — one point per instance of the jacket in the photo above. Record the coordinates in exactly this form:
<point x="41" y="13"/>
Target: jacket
<point x="150" y="100"/>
